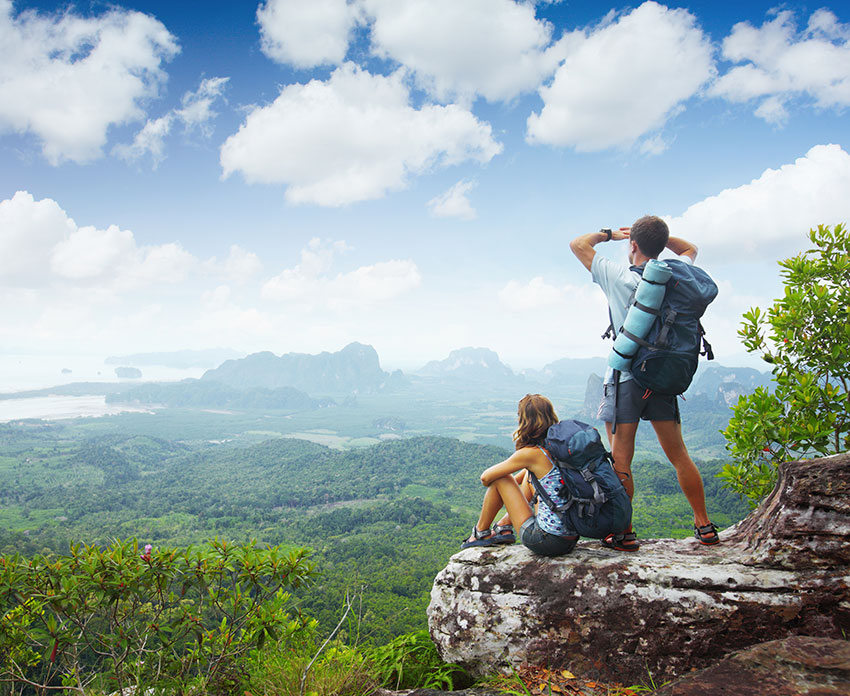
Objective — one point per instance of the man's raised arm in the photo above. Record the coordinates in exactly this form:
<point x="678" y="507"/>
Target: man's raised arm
<point x="680" y="247"/>
<point x="582" y="246"/>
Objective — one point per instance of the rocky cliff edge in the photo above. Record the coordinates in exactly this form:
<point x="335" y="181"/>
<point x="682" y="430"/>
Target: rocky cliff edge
<point x="670" y="608"/>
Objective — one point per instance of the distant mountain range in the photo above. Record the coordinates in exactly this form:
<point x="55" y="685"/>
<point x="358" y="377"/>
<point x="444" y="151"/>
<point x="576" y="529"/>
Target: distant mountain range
<point x="483" y="365"/>
<point x="469" y="364"/>
<point x="727" y="384"/>
<point x="353" y="370"/>
<point x="193" y="393"/>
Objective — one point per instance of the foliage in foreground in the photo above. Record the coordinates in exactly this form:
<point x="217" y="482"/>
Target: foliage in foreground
<point x="298" y="667"/>
<point x="214" y="619"/>
<point x="178" y="621"/>
<point x="804" y="336"/>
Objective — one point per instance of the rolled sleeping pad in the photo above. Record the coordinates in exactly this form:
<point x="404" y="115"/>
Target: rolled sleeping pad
<point x="649" y="293"/>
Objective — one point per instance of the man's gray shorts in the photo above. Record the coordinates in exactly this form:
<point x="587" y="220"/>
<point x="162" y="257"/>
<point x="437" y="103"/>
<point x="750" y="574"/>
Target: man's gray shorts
<point x="634" y="404"/>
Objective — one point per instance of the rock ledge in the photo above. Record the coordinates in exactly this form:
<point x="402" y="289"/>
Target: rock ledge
<point x="673" y="606"/>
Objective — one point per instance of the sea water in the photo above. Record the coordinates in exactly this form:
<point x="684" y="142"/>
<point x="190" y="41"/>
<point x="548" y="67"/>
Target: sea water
<point x="23" y="373"/>
<point x="61" y="407"/>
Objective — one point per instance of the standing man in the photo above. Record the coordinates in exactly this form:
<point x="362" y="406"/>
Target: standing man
<point x="647" y="238"/>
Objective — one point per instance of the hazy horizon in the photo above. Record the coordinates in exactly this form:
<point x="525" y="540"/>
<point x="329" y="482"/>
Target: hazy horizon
<point x="25" y="372"/>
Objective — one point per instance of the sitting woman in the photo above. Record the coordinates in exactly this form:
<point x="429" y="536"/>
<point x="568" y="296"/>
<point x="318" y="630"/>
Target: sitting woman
<point x="542" y="531"/>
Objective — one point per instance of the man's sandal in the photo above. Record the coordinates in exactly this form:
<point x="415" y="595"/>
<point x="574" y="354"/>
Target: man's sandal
<point x="622" y="542"/>
<point x="480" y="537"/>
<point x="707" y="534"/>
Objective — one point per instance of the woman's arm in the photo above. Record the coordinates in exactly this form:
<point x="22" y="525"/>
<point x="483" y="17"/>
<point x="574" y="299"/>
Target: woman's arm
<point x="518" y="460"/>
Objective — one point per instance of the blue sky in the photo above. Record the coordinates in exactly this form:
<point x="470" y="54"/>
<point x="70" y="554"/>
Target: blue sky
<point x="294" y="175"/>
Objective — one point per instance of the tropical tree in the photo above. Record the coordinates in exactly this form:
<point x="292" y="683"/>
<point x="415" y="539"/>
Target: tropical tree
<point x="805" y="336"/>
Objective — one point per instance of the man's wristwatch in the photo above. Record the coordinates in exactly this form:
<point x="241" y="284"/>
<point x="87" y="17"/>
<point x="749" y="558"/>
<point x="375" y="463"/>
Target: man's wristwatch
<point x="608" y="233"/>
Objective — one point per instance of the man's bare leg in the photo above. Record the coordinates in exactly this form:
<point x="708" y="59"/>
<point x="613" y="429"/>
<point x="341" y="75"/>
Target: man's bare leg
<point x="669" y="435"/>
<point x="623" y="451"/>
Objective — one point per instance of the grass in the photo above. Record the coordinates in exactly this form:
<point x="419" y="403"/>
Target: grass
<point x="340" y="671"/>
<point x="336" y="669"/>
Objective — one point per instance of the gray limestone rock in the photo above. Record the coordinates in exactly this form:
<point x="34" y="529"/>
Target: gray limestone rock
<point x="671" y="607"/>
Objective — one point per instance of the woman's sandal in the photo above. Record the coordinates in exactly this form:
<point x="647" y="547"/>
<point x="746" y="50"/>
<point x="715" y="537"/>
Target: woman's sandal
<point x="622" y="542"/>
<point x="504" y="534"/>
<point x="707" y="534"/>
<point x="480" y="537"/>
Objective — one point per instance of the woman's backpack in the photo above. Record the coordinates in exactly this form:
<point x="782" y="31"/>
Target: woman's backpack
<point x="595" y="502"/>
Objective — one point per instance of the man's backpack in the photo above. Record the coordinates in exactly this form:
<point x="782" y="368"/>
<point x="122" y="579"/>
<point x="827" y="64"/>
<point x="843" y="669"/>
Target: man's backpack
<point x="666" y="359"/>
<point x="595" y="502"/>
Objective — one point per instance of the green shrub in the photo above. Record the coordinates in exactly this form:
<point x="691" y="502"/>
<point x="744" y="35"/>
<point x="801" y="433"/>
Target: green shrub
<point x="175" y="621"/>
<point x="411" y="661"/>
<point x="805" y="337"/>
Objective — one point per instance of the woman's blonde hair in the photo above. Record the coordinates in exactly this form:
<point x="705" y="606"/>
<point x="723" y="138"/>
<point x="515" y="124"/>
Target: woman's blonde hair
<point x="535" y="414"/>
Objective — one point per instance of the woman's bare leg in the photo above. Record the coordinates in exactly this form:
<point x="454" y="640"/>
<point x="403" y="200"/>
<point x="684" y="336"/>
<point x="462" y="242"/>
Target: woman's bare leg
<point x="527" y="489"/>
<point x="505" y="492"/>
<point x="489" y="508"/>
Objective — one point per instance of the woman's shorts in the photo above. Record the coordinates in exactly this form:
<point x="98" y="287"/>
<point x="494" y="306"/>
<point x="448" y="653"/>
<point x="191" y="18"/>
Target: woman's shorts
<point x="544" y="543"/>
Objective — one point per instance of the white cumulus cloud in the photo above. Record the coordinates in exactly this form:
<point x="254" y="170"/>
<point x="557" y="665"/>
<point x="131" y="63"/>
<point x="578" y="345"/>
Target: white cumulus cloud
<point x="353" y="137"/>
<point x="778" y="63"/>
<point x="66" y="79"/>
<point x="196" y="112"/>
<point x="458" y="50"/>
<point x="311" y="285"/>
<point x="771" y="214"/>
<point x="28" y="231"/>
<point x="306" y="34"/>
<point x="623" y="80"/>
<point x="150" y="139"/>
<point x="454" y="202"/>
<point x="455" y="50"/>
<point x="90" y="253"/>
<point x="40" y="245"/>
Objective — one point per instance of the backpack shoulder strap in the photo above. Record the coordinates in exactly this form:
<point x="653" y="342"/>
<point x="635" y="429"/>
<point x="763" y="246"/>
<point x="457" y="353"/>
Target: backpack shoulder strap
<point x="539" y="491"/>
<point x="611" y="331"/>
<point x="547" y="455"/>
